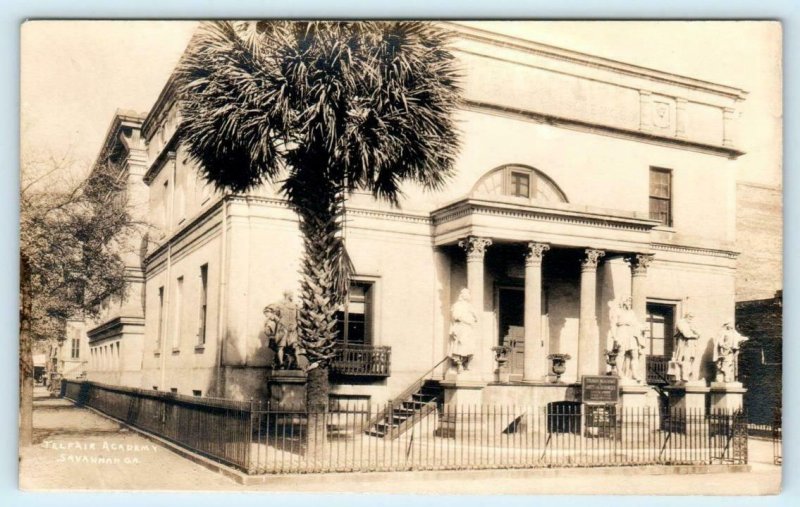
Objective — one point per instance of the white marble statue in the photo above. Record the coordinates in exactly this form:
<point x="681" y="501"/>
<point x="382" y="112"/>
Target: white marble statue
<point x="281" y="329"/>
<point x="628" y="339"/>
<point x="462" y="332"/>
<point x="726" y="350"/>
<point x="682" y="365"/>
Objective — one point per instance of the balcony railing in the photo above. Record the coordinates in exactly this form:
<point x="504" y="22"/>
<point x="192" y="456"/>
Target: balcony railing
<point x="362" y="360"/>
<point x="657" y="367"/>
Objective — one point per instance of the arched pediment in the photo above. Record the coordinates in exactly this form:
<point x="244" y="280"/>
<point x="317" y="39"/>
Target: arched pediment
<point x="519" y="181"/>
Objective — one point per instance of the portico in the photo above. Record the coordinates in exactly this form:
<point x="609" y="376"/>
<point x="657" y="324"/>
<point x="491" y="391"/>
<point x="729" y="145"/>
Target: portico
<point x="568" y="262"/>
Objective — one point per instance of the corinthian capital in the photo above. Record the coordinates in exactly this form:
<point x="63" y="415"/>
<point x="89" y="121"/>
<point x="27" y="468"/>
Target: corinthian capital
<point x="639" y="263"/>
<point x="535" y="253"/>
<point x="475" y="247"/>
<point x="592" y="258"/>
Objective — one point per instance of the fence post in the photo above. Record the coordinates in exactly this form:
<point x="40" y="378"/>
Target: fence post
<point x="83" y="394"/>
<point x="740" y="437"/>
<point x="248" y="438"/>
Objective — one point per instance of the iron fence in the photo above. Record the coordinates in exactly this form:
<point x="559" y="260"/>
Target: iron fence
<point x="217" y="428"/>
<point x="257" y="440"/>
<point x="777" y="436"/>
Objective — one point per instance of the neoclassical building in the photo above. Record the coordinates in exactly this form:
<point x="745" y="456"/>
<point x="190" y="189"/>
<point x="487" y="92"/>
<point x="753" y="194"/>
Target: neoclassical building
<point x="581" y="181"/>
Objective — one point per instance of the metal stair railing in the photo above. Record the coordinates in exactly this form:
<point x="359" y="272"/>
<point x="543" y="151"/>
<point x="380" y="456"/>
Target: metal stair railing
<point x="404" y="396"/>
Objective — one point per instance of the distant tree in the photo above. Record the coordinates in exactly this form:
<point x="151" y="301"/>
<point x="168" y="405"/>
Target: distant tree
<point x="322" y="109"/>
<point x="70" y="257"/>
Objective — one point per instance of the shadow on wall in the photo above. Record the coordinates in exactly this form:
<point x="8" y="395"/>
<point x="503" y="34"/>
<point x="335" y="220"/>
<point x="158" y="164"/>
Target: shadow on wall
<point x="243" y="378"/>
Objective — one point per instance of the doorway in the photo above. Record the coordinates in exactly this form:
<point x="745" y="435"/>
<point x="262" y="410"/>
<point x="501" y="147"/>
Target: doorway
<point x="511" y="321"/>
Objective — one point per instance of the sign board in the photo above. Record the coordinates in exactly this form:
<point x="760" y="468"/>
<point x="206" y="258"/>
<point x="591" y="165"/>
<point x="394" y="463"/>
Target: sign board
<point x="599" y="389"/>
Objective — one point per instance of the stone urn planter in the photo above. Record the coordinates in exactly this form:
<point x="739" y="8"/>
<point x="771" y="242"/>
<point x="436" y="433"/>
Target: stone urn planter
<point x="611" y="360"/>
<point x="501" y="356"/>
<point x="558" y="364"/>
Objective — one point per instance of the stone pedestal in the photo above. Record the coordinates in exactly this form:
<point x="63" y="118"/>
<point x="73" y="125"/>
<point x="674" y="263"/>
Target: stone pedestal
<point x="687" y="405"/>
<point x="633" y="396"/>
<point x="689" y="397"/>
<point x="287" y="390"/>
<point x="462" y="392"/>
<point x="727" y="396"/>
<point x="637" y="407"/>
<point x="463" y="399"/>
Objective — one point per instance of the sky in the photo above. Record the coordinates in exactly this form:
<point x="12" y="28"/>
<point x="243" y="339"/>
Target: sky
<point x="75" y="74"/>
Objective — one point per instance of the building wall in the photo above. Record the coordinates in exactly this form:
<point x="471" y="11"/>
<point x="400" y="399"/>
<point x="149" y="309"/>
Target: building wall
<point x="759" y="223"/>
<point x="593" y="130"/>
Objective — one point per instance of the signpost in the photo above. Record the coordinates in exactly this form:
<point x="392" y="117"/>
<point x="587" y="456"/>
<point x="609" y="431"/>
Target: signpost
<point x="600" y="394"/>
<point x="599" y="389"/>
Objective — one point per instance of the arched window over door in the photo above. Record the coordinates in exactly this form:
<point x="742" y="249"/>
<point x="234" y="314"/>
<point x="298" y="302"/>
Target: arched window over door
<point x="519" y="181"/>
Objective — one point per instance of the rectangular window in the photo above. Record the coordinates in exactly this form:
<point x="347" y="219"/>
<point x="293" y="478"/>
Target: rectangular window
<point x="155" y="388"/>
<point x="197" y="392"/>
<point x="661" y="195"/>
<point x="173" y="390"/>
<point x="160" y="330"/>
<point x="660" y="329"/>
<point x="76" y="348"/>
<point x="520" y="184"/>
<point x="176" y="332"/>
<point x="354" y="318"/>
<point x="201" y="334"/>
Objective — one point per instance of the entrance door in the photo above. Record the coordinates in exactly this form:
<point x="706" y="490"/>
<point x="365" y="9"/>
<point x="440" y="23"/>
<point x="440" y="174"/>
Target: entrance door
<point x="511" y="318"/>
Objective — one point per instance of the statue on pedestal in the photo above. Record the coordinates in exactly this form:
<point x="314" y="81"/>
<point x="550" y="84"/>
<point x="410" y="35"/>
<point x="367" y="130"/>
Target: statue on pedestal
<point x="462" y="338"/>
<point x="726" y="350"/>
<point x="682" y="365"/>
<point x="627" y="334"/>
<point x="281" y="330"/>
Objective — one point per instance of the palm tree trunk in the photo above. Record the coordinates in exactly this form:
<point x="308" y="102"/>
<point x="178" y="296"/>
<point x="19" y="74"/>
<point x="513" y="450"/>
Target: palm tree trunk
<point x="320" y="297"/>
<point x="25" y="356"/>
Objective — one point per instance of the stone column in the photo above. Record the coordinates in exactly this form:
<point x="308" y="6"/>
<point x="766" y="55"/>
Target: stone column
<point x="639" y="264"/>
<point x="475" y="248"/>
<point x="588" y="334"/>
<point x="534" y="355"/>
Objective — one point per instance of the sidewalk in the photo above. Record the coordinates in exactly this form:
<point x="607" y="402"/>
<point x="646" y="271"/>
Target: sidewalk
<point x="77" y="449"/>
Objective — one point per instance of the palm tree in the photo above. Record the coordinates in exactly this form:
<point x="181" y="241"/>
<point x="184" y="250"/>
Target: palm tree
<point x="322" y="109"/>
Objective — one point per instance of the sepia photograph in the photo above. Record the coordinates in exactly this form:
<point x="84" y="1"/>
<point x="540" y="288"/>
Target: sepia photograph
<point x="401" y="256"/>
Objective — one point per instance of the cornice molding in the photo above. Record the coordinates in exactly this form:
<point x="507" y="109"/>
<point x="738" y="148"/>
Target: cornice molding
<point x="161" y="107"/>
<point x="511" y="42"/>
<point x="472" y="206"/>
<point x="114" y="327"/>
<point x="714" y="252"/>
